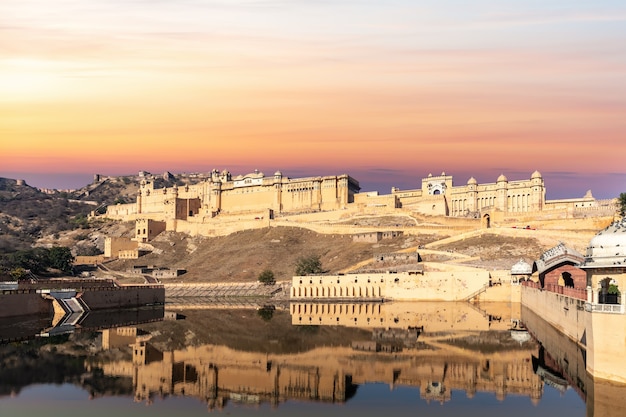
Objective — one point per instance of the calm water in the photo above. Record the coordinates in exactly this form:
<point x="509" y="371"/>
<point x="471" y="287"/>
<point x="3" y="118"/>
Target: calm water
<point x="243" y="361"/>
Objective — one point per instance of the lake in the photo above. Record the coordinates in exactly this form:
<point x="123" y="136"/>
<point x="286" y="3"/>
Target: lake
<point x="247" y="360"/>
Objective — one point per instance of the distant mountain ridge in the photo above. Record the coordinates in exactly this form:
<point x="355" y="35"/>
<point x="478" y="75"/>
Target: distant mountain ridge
<point x="28" y="213"/>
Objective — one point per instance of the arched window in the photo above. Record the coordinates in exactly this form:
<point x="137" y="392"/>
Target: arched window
<point x="568" y="281"/>
<point x="609" y="292"/>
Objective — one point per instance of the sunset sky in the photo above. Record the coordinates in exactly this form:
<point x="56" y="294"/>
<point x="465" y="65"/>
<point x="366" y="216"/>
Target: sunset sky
<point x="386" y="91"/>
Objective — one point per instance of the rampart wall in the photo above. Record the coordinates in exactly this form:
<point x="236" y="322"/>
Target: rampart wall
<point x="427" y="286"/>
<point x="89" y="260"/>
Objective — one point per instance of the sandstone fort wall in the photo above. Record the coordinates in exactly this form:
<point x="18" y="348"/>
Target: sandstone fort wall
<point x="430" y="285"/>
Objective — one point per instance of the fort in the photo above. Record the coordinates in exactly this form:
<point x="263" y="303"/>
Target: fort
<point x="580" y="295"/>
<point x="221" y="204"/>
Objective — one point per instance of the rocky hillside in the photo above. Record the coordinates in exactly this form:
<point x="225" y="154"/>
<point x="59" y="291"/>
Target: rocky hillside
<point x="123" y="189"/>
<point x="27" y="214"/>
<point x="30" y="217"/>
<point x="242" y="256"/>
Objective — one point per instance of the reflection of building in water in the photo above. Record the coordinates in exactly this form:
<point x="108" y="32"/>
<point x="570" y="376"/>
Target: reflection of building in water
<point x="430" y="316"/>
<point x="217" y="374"/>
<point x="120" y="336"/>
<point x="562" y="363"/>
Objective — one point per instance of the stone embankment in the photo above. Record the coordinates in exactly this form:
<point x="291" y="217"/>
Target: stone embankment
<point x="197" y="294"/>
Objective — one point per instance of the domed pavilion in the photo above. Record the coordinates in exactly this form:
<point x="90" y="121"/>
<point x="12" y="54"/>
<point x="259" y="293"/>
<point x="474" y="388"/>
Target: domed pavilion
<point x="605" y="264"/>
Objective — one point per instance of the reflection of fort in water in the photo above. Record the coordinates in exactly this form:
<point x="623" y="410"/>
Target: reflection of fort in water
<point x="400" y="355"/>
<point x="432" y="316"/>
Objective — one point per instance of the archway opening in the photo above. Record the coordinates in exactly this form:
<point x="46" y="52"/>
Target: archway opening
<point x="568" y="281"/>
<point x="486" y="221"/>
<point x="609" y="292"/>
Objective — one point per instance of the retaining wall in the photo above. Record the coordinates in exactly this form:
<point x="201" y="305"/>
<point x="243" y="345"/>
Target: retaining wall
<point x="601" y="333"/>
<point x="124" y="297"/>
<point x="23" y="303"/>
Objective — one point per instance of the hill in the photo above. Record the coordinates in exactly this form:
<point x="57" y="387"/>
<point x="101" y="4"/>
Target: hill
<point x="27" y="214"/>
<point x="241" y="256"/>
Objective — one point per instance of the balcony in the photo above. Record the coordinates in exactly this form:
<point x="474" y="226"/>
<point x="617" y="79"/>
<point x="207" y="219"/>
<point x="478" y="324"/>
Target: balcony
<point x="604" y="308"/>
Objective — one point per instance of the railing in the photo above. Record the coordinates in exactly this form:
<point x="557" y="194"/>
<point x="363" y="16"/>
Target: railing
<point x="531" y="284"/>
<point x="476" y="293"/>
<point x="579" y="293"/>
<point x="604" y="308"/>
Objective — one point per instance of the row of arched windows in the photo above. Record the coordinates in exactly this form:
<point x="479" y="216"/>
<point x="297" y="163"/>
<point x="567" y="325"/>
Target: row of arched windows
<point x="518" y="202"/>
<point x="461" y="206"/>
<point x="335" y="291"/>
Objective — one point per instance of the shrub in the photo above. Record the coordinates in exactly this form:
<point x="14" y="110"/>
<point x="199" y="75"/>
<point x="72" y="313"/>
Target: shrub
<point x="622" y="204"/>
<point x="308" y="265"/>
<point x="267" y="277"/>
<point x="18" y="273"/>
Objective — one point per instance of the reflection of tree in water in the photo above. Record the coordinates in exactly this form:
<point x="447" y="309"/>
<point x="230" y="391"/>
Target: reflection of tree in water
<point x="266" y="312"/>
<point x="40" y="361"/>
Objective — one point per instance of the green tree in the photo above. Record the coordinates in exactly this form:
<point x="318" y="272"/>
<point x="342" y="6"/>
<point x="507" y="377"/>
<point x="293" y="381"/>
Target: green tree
<point x="308" y="265"/>
<point x="60" y="257"/>
<point x="622" y="204"/>
<point x="34" y="260"/>
<point x="267" y="277"/>
<point x="18" y="273"/>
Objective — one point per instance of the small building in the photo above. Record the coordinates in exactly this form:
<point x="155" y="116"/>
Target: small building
<point x="397" y="257"/>
<point x="114" y="245"/>
<point x="559" y="267"/>
<point x="131" y="253"/>
<point x="161" y="273"/>
<point x="521" y="271"/>
<point x="374" y="237"/>
<point x="605" y="265"/>
<point x="148" y="229"/>
<point x="158" y="272"/>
